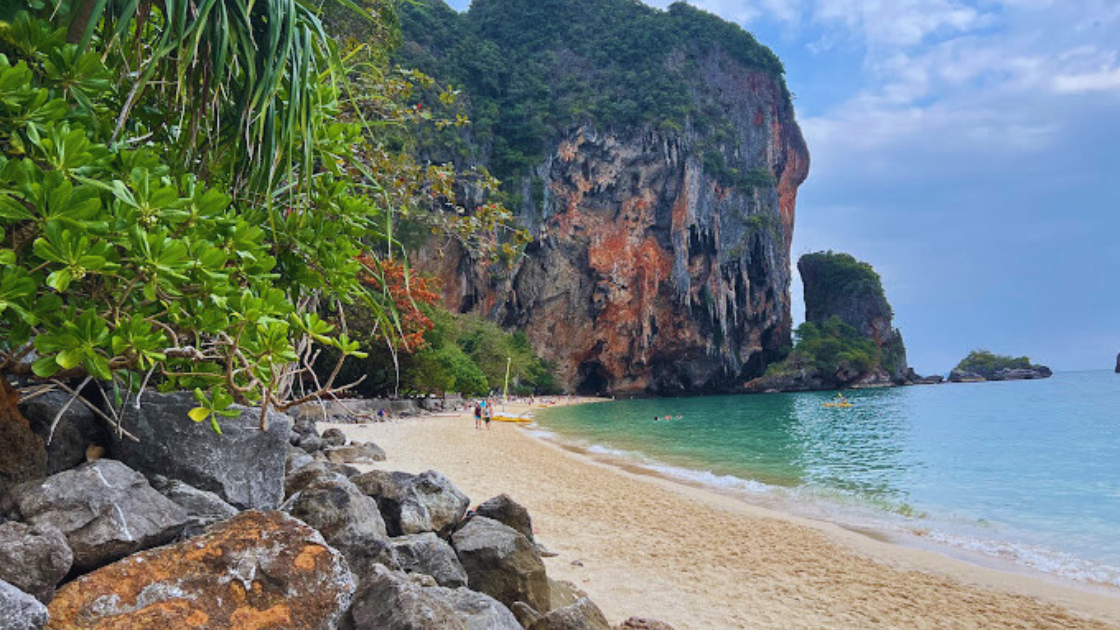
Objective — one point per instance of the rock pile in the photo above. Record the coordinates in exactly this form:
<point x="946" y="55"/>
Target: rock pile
<point x="332" y="548"/>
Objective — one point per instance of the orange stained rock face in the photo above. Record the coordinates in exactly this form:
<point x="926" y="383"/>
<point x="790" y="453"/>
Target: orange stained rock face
<point x="257" y="571"/>
<point x="649" y="272"/>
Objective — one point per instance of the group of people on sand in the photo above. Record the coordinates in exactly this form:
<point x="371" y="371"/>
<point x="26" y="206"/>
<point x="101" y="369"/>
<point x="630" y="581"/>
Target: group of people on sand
<point x="483" y="412"/>
<point x="667" y="418"/>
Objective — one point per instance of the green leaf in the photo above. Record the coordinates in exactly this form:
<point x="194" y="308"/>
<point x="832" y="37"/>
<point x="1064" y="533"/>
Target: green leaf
<point x="98" y="367"/>
<point x="59" y="280"/>
<point x="44" y="367"/>
<point x="198" y="414"/>
<point x="70" y="358"/>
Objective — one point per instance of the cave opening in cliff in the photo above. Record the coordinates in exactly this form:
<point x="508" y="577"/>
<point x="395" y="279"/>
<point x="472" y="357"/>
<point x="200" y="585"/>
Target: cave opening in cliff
<point x="592" y="380"/>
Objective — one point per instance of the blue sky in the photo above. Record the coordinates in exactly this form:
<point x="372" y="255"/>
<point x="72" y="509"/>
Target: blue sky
<point x="970" y="151"/>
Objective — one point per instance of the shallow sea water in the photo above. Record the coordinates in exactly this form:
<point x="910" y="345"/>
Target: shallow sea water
<point x="1025" y="472"/>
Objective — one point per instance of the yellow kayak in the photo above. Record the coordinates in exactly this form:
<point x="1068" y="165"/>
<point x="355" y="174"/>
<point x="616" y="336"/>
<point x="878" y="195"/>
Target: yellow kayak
<point x="843" y="404"/>
<point x="511" y="419"/>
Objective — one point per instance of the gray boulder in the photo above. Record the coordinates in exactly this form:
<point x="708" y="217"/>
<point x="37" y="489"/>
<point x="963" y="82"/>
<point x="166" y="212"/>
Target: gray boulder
<point x="563" y="593"/>
<point x="334" y="437"/>
<point x="243" y="465"/>
<point x="507" y="512"/>
<point x="105" y="509"/>
<point x="582" y="615"/>
<point x="348" y="520"/>
<point x="203" y="508"/>
<point x="478" y="611"/>
<point x="390" y="600"/>
<point x="303" y="423"/>
<point x="20" y="611"/>
<point x="413" y="504"/>
<point x="502" y="563"/>
<point x="295" y="459"/>
<point x="314" y="471"/>
<point x="75" y="432"/>
<point x="34" y="558"/>
<point x="367" y="453"/>
<point x="430" y="555"/>
<point x="310" y="442"/>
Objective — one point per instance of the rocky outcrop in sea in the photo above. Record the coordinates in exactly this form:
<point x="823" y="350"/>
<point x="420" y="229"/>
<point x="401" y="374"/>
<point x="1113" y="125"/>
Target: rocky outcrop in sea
<point x="293" y="538"/>
<point x="1003" y="374"/>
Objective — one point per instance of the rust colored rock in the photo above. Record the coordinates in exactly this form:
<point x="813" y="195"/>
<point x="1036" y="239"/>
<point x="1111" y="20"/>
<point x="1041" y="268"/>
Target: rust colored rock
<point x="23" y="455"/>
<point x="658" y="264"/>
<point x="257" y="571"/>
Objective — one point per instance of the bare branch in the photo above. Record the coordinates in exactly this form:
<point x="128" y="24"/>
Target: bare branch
<point x="58" y="416"/>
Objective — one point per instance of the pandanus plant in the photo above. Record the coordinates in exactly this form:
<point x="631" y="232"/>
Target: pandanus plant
<point x="180" y="200"/>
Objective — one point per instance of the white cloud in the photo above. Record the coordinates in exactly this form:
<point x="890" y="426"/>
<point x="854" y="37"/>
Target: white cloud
<point x="892" y="23"/>
<point x="1100" y="81"/>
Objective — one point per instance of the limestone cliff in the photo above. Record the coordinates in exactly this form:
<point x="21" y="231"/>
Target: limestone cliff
<point x="660" y="252"/>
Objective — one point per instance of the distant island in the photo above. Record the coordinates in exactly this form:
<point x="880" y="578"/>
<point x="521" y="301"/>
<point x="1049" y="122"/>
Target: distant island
<point x="848" y="339"/>
<point x="981" y="365"/>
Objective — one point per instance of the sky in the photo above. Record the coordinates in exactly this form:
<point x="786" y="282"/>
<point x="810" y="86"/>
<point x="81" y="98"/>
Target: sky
<point x="970" y="151"/>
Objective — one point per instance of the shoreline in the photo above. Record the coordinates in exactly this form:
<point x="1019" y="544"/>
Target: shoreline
<point x="698" y="558"/>
<point x="967" y="550"/>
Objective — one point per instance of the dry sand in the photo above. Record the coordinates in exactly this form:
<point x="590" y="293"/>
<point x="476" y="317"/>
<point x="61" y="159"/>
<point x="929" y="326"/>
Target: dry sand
<point x="700" y="560"/>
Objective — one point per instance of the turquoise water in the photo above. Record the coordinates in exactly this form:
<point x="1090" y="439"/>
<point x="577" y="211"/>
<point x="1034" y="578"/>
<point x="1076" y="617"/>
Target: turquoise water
<point x="1026" y="471"/>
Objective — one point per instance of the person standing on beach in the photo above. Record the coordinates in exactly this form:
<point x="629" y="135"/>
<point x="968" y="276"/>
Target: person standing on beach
<point x="478" y="415"/>
<point x="488" y="415"/>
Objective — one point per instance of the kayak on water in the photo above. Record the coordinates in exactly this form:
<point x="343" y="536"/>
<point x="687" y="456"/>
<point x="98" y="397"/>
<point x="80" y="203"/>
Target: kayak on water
<point x="512" y="419"/>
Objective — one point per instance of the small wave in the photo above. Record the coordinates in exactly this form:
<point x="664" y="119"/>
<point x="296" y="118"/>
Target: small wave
<point x="709" y="478"/>
<point x="597" y="449"/>
<point x="1038" y="558"/>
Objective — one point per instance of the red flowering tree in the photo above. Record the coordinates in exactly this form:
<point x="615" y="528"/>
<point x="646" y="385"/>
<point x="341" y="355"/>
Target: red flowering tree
<point x="409" y="292"/>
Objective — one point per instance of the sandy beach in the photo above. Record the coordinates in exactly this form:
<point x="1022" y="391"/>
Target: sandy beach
<point x="644" y="545"/>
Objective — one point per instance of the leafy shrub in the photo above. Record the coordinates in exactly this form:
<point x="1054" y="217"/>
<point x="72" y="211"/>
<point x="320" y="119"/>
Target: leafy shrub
<point x="831" y="348"/>
<point x="983" y="362"/>
<point x="202" y="223"/>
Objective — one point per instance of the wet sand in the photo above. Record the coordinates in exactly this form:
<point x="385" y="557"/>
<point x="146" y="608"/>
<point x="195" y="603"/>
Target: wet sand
<point x="643" y="545"/>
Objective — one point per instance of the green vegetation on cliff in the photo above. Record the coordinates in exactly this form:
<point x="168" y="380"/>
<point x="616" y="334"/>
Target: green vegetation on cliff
<point x="832" y="348"/>
<point x="460" y="353"/>
<point x="533" y="68"/>
<point x="838" y="278"/>
<point x="848" y="334"/>
<point x="985" y="362"/>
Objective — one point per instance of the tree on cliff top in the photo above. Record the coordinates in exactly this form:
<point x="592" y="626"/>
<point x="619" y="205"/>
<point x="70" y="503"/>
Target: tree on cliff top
<point x="187" y="190"/>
